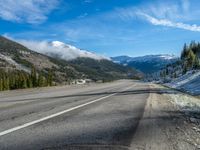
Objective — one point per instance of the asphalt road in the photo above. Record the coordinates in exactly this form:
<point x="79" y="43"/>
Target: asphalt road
<point x="99" y="116"/>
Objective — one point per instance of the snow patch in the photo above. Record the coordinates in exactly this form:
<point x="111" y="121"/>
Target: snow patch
<point x="167" y="57"/>
<point x="187" y="104"/>
<point x="8" y="60"/>
<point x="14" y="63"/>
<point x="58" y="44"/>
<point x="147" y="58"/>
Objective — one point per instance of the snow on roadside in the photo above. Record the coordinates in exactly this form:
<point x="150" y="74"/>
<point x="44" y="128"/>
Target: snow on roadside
<point x="184" y="79"/>
<point x="188" y="104"/>
<point x="184" y="101"/>
<point x="189" y="82"/>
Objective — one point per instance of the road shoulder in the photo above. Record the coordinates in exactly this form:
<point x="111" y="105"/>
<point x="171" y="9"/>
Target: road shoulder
<point x="164" y="126"/>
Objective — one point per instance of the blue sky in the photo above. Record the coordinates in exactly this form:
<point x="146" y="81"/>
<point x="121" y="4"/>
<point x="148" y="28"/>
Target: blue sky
<point x="107" y="27"/>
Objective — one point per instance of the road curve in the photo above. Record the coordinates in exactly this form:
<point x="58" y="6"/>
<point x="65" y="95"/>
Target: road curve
<point x="102" y="116"/>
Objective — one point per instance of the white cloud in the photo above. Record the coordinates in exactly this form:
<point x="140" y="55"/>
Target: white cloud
<point x="59" y="49"/>
<point x="168" y="23"/>
<point x="158" y="10"/>
<point x="169" y="14"/>
<point x="30" y="11"/>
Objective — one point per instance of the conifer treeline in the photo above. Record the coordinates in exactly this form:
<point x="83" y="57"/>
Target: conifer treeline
<point x="190" y="60"/>
<point x="190" y="56"/>
<point x="20" y="80"/>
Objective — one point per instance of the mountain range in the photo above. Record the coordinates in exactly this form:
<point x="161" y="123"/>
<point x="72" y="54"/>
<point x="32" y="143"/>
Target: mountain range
<point x="66" y="62"/>
<point x="147" y="64"/>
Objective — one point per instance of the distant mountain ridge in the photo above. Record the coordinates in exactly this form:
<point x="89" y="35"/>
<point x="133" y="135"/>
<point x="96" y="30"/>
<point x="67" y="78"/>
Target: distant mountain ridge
<point x="146" y="64"/>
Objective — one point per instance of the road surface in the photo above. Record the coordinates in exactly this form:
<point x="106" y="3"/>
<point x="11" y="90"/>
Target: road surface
<point x="120" y="115"/>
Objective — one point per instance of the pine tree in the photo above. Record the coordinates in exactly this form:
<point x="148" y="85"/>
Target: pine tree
<point x="6" y="83"/>
<point x="41" y="81"/>
<point x="196" y="63"/>
<point x="15" y="79"/>
<point x="29" y="82"/>
<point x="190" y="59"/>
<point x="167" y="71"/>
<point x="33" y="77"/>
<point x="49" y="78"/>
<point x="24" y="81"/>
<point x="184" y="52"/>
<point x="184" y="69"/>
<point x="1" y="84"/>
<point x="175" y="75"/>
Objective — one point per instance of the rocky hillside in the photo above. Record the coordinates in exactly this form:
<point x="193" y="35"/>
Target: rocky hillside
<point x="14" y="56"/>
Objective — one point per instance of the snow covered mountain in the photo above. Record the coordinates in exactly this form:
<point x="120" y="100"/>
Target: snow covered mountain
<point x="60" y="50"/>
<point x="146" y="64"/>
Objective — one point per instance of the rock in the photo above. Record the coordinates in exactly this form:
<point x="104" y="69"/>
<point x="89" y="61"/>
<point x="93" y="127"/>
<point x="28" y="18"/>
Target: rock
<point x="193" y="120"/>
<point x="196" y="129"/>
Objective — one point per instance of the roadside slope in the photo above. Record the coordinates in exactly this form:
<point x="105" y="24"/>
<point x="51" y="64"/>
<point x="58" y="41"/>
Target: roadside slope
<point x="189" y="82"/>
<point x="164" y="125"/>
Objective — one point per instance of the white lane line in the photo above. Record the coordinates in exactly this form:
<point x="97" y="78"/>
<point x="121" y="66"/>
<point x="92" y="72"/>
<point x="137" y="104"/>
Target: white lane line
<point x="55" y="115"/>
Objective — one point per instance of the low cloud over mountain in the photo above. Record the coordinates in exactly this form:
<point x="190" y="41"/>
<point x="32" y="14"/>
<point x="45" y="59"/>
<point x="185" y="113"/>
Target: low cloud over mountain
<point x="59" y="49"/>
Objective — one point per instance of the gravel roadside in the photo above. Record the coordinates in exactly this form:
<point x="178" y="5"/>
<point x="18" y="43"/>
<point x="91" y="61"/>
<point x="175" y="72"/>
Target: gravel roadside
<point x="164" y="125"/>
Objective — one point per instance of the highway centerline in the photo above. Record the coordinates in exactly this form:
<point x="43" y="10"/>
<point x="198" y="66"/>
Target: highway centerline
<point x="56" y="114"/>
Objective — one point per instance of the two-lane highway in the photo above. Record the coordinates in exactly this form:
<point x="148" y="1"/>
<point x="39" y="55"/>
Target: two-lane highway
<point x="103" y="116"/>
